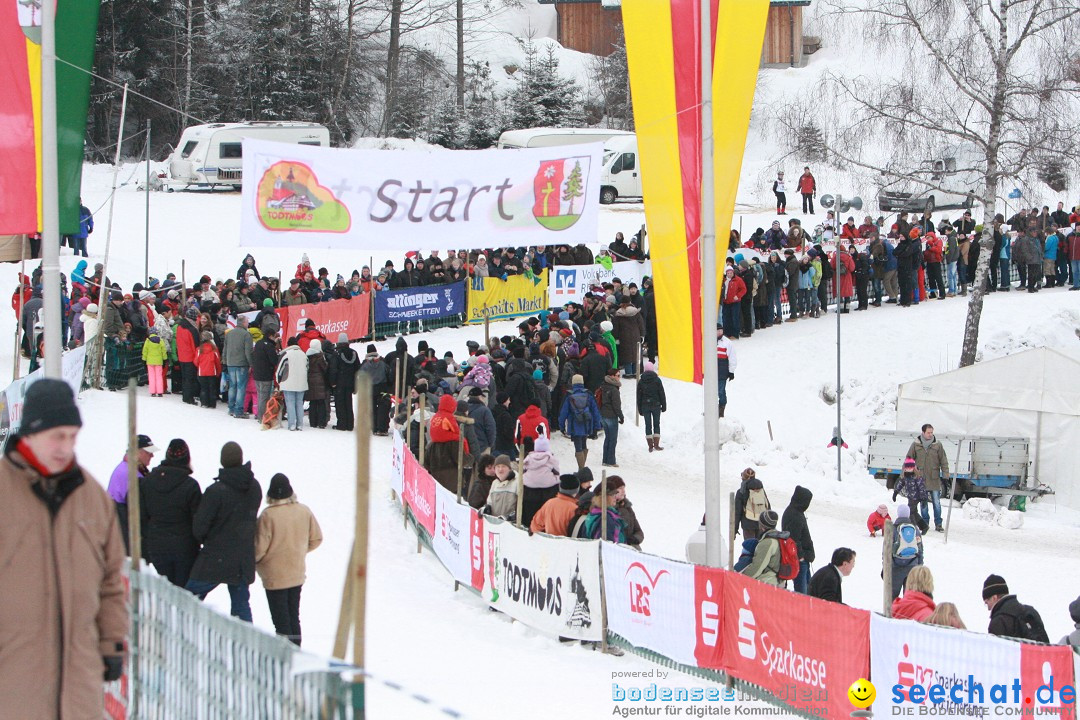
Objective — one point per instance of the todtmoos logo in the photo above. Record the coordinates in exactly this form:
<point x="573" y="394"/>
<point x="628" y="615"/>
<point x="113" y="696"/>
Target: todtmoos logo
<point x="290" y="198"/>
<point x="558" y="189"/>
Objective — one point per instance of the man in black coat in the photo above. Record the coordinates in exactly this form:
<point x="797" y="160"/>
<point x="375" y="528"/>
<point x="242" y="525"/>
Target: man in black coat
<point x="794" y="522"/>
<point x="382" y="387"/>
<point x="519" y="384"/>
<point x="225" y="525"/>
<point x="826" y="583"/>
<point x="344" y="364"/>
<point x="264" y="359"/>
<point x="1008" y="616"/>
<point x="168" y="500"/>
<point x="504" y="427"/>
<point x="594" y="367"/>
<point x="402" y="353"/>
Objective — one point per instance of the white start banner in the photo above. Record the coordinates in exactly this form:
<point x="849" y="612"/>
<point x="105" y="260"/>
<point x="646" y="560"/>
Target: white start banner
<point x="650" y="601"/>
<point x="550" y="584"/>
<point x="314" y="197"/>
<point x="571" y="283"/>
<point x="452" y="539"/>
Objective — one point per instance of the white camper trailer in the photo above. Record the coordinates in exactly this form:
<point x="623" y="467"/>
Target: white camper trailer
<point x="620" y="175"/>
<point x="212" y="155"/>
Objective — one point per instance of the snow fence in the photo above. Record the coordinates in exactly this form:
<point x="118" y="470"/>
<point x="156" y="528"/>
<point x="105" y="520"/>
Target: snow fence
<point x="791" y="650"/>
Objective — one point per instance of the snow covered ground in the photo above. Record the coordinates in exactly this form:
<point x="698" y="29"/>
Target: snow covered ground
<point x="447" y="645"/>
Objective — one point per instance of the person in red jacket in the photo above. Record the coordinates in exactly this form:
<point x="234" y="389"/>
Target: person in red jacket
<point x="808" y="188"/>
<point x="876" y="522"/>
<point x="731" y="297"/>
<point x="932" y="256"/>
<point x="310" y="333"/>
<point x="209" y="364"/>
<point x="187" y="344"/>
<point x="27" y="293"/>
<point x="849" y="231"/>
<point x="444" y="427"/>
<point x="304" y="267"/>
<point x="868" y="228"/>
<point x="843" y="267"/>
<point x="531" y="424"/>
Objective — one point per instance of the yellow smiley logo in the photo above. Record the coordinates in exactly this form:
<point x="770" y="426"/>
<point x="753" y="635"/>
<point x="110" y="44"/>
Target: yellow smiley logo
<point x="862" y="693"/>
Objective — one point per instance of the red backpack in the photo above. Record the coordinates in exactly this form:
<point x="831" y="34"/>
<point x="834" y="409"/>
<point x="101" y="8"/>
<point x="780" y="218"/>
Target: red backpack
<point x="789" y="558"/>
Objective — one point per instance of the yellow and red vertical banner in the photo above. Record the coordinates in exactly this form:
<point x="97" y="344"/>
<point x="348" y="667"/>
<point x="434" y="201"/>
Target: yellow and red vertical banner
<point x="20" y="120"/>
<point x="663" y="49"/>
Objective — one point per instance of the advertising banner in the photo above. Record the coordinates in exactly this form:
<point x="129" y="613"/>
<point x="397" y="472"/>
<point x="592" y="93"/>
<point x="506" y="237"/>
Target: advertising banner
<point x="908" y="653"/>
<point x="550" y="584"/>
<point x="803" y="650"/>
<point x="397" y="463"/>
<point x="72" y="364"/>
<point x="516" y="296"/>
<point x="452" y="539"/>
<point x="351" y="317"/>
<point x="313" y="197"/>
<point x="424" y="303"/>
<point x="650" y="601"/>
<point x="418" y="489"/>
<point x="570" y="283"/>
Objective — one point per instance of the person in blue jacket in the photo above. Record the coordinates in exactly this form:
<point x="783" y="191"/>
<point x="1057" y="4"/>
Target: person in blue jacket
<point x="86" y="226"/>
<point x="579" y="418"/>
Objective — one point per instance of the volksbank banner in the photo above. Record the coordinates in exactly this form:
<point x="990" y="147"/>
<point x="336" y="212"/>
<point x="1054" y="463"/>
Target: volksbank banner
<point x="313" y="197"/>
<point x="570" y="283"/>
<point x="422" y="303"/>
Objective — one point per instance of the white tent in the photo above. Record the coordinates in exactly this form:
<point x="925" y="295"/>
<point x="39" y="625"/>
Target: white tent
<point x="1033" y="394"/>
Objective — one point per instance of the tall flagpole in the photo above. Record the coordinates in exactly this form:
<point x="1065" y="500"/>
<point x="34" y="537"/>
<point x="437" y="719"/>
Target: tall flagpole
<point x="713" y="516"/>
<point x="50" y="236"/>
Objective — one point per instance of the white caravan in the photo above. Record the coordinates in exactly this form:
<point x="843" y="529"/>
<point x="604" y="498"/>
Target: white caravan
<point x="620" y="177"/>
<point x="212" y="155"/>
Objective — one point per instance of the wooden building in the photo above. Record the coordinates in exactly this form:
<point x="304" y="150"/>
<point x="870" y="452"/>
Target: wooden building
<point x="595" y="26"/>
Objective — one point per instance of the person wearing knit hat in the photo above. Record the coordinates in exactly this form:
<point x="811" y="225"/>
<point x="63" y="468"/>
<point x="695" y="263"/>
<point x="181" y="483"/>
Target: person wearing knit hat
<point x="907" y="547"/>
<point x="765" y="565"/>
<point x="287" y="532"/>
<point x="223" y="525"/>
<point x="555" y="515"/>
<point x="382" y="378"/>
<point x="168" y="496"/>
<point x="651" y="402"/>
<point x="502" y="497"/>
<point x="318" y="393"/>
<point x="911" y="485"/>
<point x="876" y="522"/>
<point x="1073" y="638"/>
<point x="68" y="558"/>
<point x="342" y="378"/>
<point x="1008" y="616"/>
<point x="118" y="481"/>
<point x="579" y="418"/>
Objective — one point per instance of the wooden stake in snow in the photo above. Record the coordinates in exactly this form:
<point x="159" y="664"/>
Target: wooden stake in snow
<point x="886" y="569"/>
<point x="520" y="483"/>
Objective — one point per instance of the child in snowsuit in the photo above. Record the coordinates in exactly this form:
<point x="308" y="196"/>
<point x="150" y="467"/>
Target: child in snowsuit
<point x="876" y="522"/>
<point x="208" y="361"/>
<point x="155" y="353"/>
<point x="912" y="486"/>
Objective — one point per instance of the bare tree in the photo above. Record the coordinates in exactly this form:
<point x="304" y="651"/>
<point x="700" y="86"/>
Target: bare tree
<point x="985" y="80"/>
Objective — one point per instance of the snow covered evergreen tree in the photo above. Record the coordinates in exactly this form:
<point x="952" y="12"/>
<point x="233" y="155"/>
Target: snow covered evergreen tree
<point x="543" y="96"/>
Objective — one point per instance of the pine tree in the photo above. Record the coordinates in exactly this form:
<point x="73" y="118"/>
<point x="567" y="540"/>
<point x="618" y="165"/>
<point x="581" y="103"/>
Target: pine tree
<point x="543" y="97"/>
<point x="573" y="188"/>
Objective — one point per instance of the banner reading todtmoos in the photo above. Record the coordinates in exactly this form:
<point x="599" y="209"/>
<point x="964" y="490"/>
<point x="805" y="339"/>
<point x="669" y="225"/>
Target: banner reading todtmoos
<point x="302" y="196"/>
<point x="423" y="303"/>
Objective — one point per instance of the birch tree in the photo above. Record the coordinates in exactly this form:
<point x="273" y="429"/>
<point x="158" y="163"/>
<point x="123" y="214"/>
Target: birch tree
<point x="988" y="80"/>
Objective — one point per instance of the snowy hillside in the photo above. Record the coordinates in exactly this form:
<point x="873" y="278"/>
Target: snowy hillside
<point x="783" y="373"/>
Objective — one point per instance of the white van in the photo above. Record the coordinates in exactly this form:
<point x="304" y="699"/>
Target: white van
<point x="956" y="187"/>
<point x="620" y="177"/>
<point x="212" y="155"/>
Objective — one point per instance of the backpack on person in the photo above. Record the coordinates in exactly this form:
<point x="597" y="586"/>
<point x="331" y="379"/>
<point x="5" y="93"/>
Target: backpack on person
<point x="1030" y="625"/>
<point x="541" y="364"/>
<point x="907" y="543"/>
<point x="841" y="268"/>
<point x="579" y="409"/>
<point x="789" y="559"/>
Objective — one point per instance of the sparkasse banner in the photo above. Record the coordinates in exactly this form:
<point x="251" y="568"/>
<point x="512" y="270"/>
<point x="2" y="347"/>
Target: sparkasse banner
<point x="314" y="197"/>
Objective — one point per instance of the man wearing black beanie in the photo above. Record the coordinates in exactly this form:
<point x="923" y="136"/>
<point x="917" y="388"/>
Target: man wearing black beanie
<point x="64" y="578"/>
<point x="1008" y="616"/>
<point x="225" y="525"/>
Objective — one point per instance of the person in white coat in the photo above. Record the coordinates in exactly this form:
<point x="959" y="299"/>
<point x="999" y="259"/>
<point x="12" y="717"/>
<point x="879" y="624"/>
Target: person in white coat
<point x="292" y="378"/>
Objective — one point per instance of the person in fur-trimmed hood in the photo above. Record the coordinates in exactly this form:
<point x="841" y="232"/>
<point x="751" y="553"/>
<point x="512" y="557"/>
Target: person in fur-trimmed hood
<point x="287" y="531"/>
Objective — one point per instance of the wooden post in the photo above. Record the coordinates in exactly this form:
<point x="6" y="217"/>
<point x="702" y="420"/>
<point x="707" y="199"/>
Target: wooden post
<point x="360" y="542"/>
<point x="637" y="406"/>
<point x="460" y="462"/>
<point x="423" y="424"/>
<point x="520" y="483"/>
<point x="134" y="519"/>
<point x="487" y="328"/>
<point x="344" y="623"/>
<point x="408" y="420"/>
<point x="952" y="485"/>
<point x="733" y="523"/>
<point x="886" y="569"/>
<point x="397" y="386"/>
<point x="603" y="505"/>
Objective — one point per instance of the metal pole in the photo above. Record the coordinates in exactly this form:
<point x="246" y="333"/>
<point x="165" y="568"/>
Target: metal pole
<point x="603" y="505"/>
<point x="637" y="405"/>
<point x="50" y="190"/>
<point x="360" y="544"/>
<point x="422" y="423"/>
<point x="520" y="483"/>
<point x="886" y="569"/>
<point x="103" y="292"/>
<point x="732" y="524"/>
<point x="952" y="488"/>
<point x="460" y="461"/>
<point x="836" y="279"/>
<point x="146" y="257"/>
<point x="487" y="328"/>
<point x="713" y="515"/>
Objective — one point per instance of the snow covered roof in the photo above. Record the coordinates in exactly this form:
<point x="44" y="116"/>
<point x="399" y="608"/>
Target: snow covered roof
<point x="1040" y="380"/>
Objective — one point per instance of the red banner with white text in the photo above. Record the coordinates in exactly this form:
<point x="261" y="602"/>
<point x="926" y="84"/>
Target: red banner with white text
<point x="418" y="489"/>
